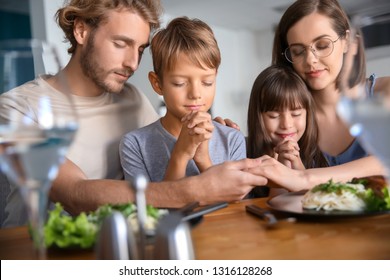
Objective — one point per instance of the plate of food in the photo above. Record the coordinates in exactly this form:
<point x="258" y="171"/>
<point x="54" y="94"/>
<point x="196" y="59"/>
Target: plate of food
<point x="358" y="197"/>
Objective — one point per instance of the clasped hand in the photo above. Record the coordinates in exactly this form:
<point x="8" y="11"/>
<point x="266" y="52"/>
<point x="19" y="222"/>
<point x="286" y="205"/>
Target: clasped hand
<point x="196" y="130"/>
<point x="287" y="152"/>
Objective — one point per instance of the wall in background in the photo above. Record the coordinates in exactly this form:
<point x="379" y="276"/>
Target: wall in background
<point x="14" y="25"/>
<point x="44" y="26"/>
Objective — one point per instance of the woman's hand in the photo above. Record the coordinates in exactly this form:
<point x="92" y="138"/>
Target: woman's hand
<point x="227" y="122"/>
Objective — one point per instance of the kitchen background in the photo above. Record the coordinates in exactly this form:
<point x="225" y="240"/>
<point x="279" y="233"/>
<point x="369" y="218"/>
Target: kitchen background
<point x="244" y="30"/>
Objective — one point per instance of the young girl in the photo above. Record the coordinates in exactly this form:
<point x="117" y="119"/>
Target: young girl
<point x="281" y="120"/>
<point x="185" y="141"/>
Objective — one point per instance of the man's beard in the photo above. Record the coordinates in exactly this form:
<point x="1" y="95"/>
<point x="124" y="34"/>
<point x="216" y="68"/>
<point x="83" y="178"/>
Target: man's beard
<point x="91" y="68"/>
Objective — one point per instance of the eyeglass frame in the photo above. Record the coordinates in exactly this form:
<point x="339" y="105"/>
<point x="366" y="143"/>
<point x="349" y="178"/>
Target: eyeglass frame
<point x="313" y="51"/>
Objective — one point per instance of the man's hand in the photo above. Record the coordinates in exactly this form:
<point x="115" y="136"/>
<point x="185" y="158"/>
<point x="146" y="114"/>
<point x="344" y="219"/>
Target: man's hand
<point x="229" y="181"/>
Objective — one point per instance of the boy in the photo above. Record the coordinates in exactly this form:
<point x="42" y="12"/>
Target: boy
<point x="185" y="141"/>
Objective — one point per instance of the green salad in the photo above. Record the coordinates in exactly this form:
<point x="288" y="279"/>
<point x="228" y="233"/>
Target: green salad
<point x="376" y="195"/>
<point x="65" y="231"/>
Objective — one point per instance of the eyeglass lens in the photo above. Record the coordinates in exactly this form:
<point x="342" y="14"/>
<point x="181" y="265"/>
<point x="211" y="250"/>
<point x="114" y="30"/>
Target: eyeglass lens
<point x="321" y="48"/>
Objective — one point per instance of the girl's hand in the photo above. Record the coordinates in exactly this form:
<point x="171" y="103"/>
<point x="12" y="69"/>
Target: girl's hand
<point x="287" y="152"/>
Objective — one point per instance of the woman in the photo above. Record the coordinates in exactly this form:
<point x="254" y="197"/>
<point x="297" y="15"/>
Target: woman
<point x="312" y="38"/>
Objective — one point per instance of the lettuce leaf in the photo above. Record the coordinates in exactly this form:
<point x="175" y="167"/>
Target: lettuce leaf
<point x="64" y="231"/>
<point x="375" y="202"/>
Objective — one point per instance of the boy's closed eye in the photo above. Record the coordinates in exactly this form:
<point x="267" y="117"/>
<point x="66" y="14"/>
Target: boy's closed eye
<point x="208" y="84"/>
<point x="175" y="84"/>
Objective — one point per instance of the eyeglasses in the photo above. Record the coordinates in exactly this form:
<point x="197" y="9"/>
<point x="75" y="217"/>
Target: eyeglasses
<point x="322" y="47"/>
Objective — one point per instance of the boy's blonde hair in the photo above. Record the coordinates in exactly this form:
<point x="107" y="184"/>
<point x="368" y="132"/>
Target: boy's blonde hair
<point x="191" y="37"/>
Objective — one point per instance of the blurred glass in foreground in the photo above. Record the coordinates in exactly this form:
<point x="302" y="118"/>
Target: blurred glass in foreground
<point x="366" y="111"/>
<point x="36" y="127"/>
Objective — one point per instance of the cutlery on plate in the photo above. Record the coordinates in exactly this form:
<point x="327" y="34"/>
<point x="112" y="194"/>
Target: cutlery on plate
<point x="266" y="215"/>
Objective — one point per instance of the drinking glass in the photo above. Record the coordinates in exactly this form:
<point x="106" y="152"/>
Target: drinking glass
<point x="367" y="113"/>
<point x="36" y="128"/>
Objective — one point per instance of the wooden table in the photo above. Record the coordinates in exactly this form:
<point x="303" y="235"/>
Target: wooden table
<point x="232" y="233"/>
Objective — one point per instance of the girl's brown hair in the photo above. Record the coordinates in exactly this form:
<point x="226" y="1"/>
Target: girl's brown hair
<point x="94" y="12"/>
<point x="279" y="88"/>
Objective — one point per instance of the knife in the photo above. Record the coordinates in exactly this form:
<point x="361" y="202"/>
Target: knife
<point x="204" y="210"/>
<point x="264" y="214"/>
<point x="188" y="208"/>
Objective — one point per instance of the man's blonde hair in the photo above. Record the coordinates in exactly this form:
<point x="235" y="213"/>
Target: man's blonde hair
<point x="94" y="12"/>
